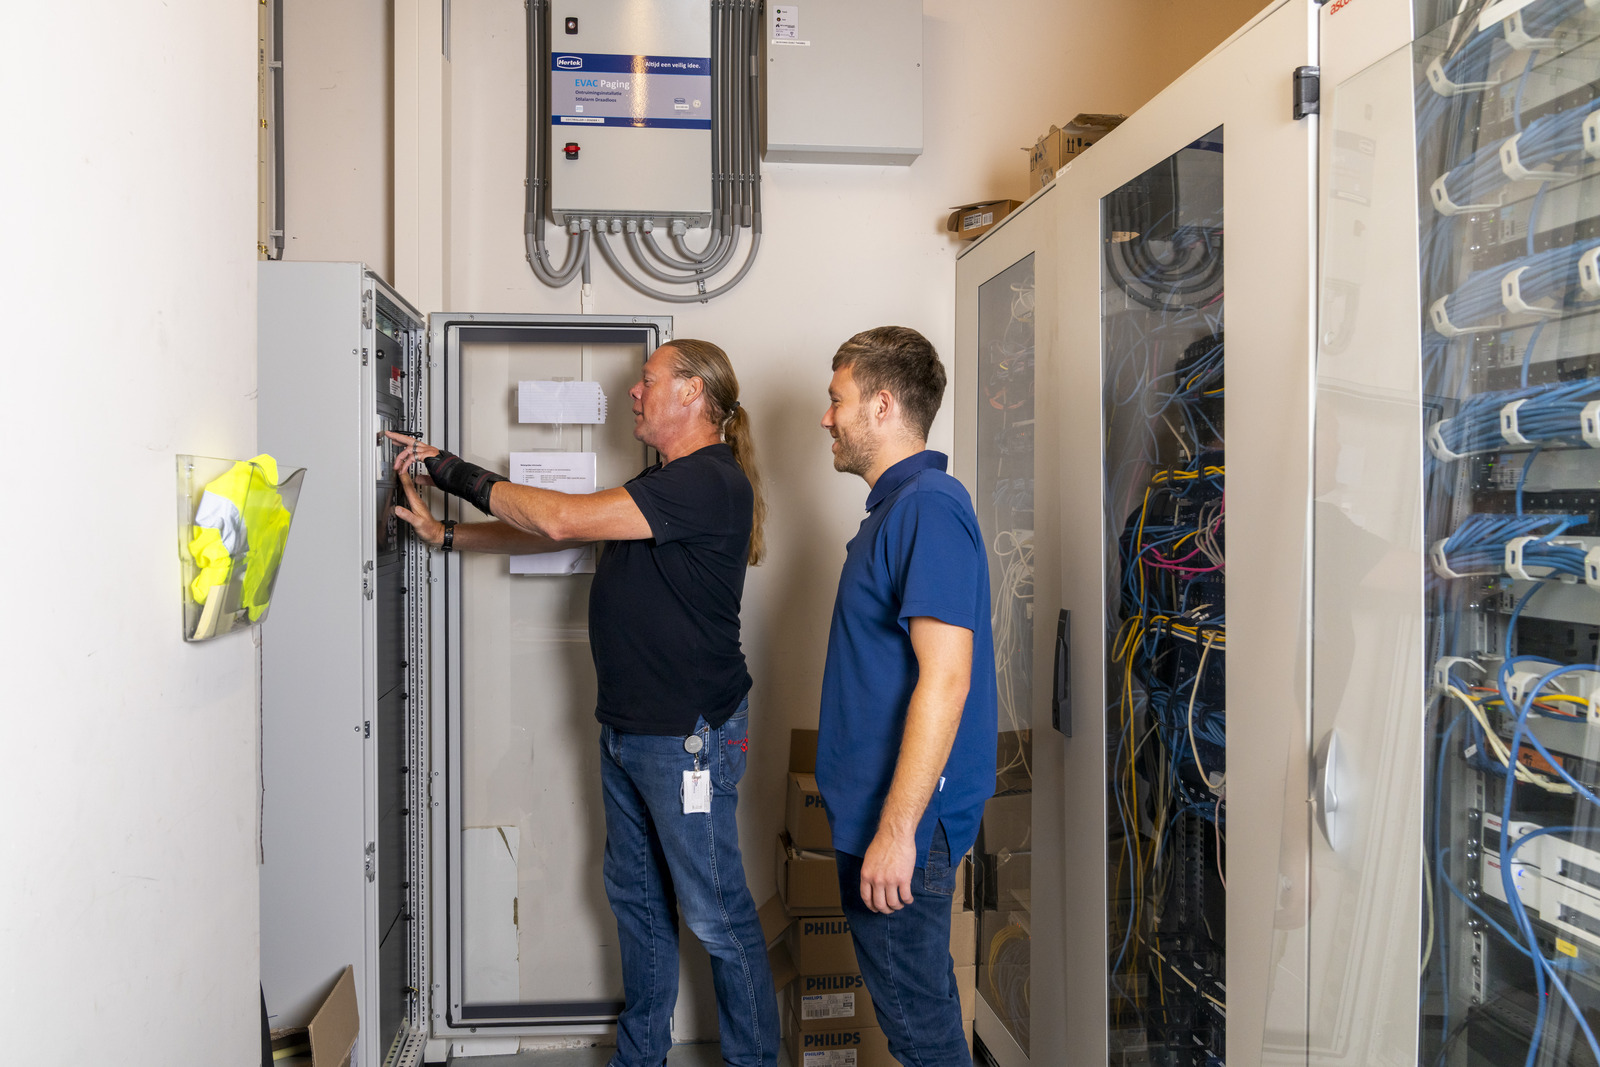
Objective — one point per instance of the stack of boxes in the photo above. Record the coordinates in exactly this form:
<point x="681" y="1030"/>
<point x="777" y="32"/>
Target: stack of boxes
<point x="827" y="1010"/>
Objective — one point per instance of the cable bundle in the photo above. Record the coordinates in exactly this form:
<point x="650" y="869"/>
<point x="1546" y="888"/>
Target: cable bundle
<point x="1539" y="21"/>
<point x="1489" y="293"/>
<point x="1472" y="183"/>
<point x="1549" y="140"/>
<point x="1478" y="545"/>
<point x="1548" y="275"/>
<point x="1491" y="421"/>
<point x="1475" y="301"/>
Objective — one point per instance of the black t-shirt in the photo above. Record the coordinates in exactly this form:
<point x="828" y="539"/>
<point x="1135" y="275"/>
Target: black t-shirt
<point x="664" y="612"/>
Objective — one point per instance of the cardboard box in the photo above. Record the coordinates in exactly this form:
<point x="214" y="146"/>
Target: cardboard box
<point x="863" y="1047"/>
<point x="803" y="751"/>
<point x="774" y="920"/>
<point x="977" y="219"/>
<point x="1008" y="823"/>
<point x="331" y="1037"/>
<point x="782" y="966"/>
<point x="1014" y="762"/>
<point x="964" y="937"/>
<point x="1052" y="151"/>
<point x="821" y="945"/>
<point x="967" y="989"/>
<point x="808" y="881"/>
<point x="831" y="1002"/>
<point x="804" y="815"/>
<point x="961" y="899"/>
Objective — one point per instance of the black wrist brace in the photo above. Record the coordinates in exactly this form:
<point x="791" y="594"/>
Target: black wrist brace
<point x="456" y="476"/>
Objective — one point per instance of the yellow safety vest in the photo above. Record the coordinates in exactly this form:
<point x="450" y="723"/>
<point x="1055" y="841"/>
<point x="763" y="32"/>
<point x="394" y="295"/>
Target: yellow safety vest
<point x="241" y="519"/>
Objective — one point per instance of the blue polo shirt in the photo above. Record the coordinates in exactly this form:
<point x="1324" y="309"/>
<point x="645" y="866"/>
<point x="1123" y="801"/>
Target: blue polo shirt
<point x="918" y="552"/>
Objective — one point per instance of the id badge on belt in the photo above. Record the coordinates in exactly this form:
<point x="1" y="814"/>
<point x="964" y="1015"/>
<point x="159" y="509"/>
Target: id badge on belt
<point x="696" y="783"/>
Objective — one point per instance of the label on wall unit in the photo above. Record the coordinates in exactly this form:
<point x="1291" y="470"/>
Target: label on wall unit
<point x="786" y="25"/>
<point x="593" y="89"/>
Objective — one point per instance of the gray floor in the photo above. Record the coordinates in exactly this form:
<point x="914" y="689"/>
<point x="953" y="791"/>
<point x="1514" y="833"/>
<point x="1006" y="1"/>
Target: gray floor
<point x="707" y="1054"/>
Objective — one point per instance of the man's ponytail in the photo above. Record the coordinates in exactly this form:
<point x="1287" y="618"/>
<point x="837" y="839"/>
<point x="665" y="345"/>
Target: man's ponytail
<point x="704" y="360"/>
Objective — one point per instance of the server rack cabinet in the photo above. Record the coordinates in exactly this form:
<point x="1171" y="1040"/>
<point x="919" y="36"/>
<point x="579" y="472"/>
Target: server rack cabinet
<point x="1455" y="920"/>
<point x="1146" y="267"/>
<point x="343" y="680"/>
<point x="1005" y="454"/>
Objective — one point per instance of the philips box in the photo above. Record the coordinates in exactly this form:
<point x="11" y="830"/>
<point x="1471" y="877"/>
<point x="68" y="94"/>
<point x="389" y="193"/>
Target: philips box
<point x="804" y="816"/>
<point x="831" y="1002"/>
<point x="863" y="1047"/>
<point x="820" y="944"/>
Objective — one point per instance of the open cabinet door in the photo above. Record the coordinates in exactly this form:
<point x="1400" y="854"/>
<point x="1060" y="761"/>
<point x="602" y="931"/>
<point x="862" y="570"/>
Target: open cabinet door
<point x="521" y="934"/>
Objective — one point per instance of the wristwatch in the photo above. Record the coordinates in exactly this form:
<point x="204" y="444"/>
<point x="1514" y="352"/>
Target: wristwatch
<point x="449" y="533"/>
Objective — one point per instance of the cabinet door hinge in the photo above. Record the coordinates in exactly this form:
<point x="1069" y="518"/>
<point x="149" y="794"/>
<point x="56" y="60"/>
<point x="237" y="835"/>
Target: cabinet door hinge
<point x="1307" y="91"/>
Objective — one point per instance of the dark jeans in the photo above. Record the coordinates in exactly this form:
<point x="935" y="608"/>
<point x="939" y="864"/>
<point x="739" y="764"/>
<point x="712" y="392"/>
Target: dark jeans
<point x="659" y="860"/>
<point x="905" y="958"/>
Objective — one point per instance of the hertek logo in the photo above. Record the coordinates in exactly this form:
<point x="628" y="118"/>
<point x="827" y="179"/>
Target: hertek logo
<point x="834" y="983"/>
<point x="842" y="1039"/>
<point x="833" y="926"/>
<point x="569" y="62"/>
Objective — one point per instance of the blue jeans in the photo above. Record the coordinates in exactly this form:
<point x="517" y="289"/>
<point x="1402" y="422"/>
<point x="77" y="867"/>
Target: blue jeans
<point x="658" y="861"/>
<point x="905" y="958"/>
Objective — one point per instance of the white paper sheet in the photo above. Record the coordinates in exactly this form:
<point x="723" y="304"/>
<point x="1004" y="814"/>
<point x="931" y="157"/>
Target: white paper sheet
<point x="564" y="472"/>
<point x="561" y="402"/>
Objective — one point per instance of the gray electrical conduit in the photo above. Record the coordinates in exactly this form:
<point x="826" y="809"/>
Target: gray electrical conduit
<point x="533" y="217"/>
<point x="636" y="245"/>
<point x="732" y="141"/>
<point x="694" y="267"/>
<point x="577" y="256"/>
<point x="681" y="298"/>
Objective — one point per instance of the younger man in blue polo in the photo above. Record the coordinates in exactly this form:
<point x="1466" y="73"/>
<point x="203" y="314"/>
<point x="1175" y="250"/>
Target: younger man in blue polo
<point x="906" y="756"/>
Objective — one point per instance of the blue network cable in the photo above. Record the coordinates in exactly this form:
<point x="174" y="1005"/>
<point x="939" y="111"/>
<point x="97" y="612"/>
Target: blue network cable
<point x="1478" y="544"/>
<point x="1551" y="274"/>
<point x="1550" y="413"/>
<point x="1542" y="968"/>
<point x="1544" y="17"/>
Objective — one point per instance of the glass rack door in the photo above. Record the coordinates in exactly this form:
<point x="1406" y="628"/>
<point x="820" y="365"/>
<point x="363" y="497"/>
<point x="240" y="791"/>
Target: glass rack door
<point x="1004" y="502"/>
<point x="1507" y="134"/>
<point x="1165" y="619"/>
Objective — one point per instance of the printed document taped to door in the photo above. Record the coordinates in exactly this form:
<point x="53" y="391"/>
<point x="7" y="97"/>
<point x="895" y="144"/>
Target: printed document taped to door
<point x="564" y="472"/>
<point x="569" y="403"/>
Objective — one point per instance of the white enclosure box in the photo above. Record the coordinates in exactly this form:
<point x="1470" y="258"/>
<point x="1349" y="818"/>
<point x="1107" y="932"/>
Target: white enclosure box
<point x="844" y="82"/>
<point x="630" y="99"/>
<point x="340" y="359"/>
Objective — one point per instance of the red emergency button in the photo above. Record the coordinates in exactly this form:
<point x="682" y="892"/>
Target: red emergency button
<point x="571" y="150"/>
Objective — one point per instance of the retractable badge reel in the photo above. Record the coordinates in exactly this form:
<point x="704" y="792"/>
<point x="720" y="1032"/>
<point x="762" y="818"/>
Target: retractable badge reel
<point x="696" y="783"/>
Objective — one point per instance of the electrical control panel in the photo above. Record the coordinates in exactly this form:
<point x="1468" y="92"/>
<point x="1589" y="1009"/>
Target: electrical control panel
<point x="844" y="82"/>
<point x="630" y="108"/>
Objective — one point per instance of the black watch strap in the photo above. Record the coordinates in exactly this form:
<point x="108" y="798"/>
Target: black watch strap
<point x="449" y="534"/>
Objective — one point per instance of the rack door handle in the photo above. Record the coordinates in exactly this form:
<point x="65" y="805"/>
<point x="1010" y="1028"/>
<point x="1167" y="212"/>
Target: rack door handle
<point x="1325" y="794"/>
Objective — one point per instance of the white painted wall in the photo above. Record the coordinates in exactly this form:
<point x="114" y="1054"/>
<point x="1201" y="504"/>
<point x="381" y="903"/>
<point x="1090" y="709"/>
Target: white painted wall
<point x="128" y="916"/>
<point x="845" y="248"/>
